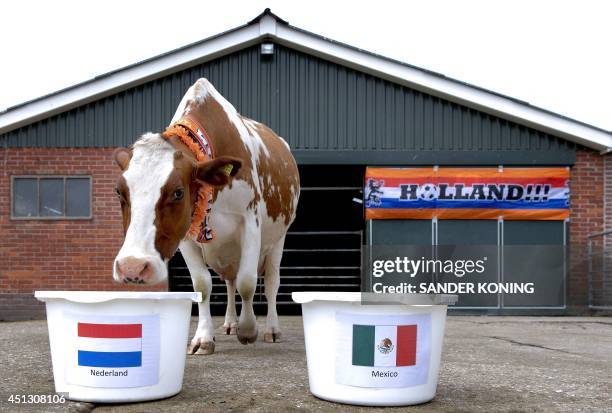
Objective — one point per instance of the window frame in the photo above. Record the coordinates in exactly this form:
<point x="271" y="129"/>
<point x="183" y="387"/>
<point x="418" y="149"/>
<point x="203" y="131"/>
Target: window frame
<point x="50" y="218"/>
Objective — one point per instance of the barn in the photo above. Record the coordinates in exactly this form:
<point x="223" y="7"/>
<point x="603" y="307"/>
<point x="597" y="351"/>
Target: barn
<point x="342" y="110"/>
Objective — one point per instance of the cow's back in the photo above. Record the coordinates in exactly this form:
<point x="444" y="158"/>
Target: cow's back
<point x="278" y="175"/>
<point x="266" y="193"/>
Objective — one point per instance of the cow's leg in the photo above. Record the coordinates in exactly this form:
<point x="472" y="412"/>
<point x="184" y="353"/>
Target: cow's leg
<point x="231" y="319"/>
<point x="203" y="341"/>
<point x="271" y="283"/>
<point x="246" y="282"/>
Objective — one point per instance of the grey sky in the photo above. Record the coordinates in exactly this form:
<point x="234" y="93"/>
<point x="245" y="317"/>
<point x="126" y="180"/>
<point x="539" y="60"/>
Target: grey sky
<point x="553" y="54"/>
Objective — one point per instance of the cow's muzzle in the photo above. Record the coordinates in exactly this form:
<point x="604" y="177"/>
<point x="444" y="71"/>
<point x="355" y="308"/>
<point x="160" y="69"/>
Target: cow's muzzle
<point x="134" y="270"/>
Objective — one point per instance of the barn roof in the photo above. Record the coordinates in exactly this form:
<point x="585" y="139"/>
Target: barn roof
<point x="269" y="27"/>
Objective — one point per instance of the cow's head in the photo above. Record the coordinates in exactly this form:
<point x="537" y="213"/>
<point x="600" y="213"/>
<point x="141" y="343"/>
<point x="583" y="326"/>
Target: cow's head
<point x="157" y="189"/>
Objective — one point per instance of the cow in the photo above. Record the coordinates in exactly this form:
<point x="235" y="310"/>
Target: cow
<point x="221" y="188"/>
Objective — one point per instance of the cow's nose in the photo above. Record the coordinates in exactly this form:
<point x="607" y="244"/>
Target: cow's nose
<point x="132" y="269"/>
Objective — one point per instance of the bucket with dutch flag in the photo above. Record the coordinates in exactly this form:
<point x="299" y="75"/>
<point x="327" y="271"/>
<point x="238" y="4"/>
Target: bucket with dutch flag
<point x="118" y="346"/>
<point x="383" y="351"/>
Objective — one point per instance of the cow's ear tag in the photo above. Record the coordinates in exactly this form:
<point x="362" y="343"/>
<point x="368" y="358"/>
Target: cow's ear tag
<point x="227" y="169"/>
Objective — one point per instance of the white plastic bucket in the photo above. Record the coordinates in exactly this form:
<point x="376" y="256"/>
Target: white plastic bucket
<point x="384" y="354"/>
<point x="111" y="347"/>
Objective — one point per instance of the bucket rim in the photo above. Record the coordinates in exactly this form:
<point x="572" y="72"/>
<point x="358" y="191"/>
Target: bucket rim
<point x="103" y="296"/>
<point x="302" y="297"/>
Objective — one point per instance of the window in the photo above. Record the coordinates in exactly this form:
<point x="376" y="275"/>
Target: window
<point x="51" y="197"/>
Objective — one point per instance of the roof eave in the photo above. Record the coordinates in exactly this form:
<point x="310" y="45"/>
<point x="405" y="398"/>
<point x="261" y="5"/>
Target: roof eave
<point x="269" y="26"/>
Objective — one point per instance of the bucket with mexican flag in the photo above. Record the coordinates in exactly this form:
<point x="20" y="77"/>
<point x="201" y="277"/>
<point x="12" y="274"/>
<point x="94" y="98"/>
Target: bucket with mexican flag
<point x="378" y="354"/>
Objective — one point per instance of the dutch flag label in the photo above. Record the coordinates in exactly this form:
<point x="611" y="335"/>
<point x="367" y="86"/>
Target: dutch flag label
<point x="382" y="350"/>
<point x="110" y="345"/>
<point x="112" y="352"/>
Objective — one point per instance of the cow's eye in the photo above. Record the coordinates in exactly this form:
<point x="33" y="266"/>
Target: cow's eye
<point x="178" y="194"/>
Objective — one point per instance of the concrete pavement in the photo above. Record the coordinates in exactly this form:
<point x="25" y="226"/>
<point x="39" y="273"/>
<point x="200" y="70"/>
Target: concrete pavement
<point x="489" y="364"/>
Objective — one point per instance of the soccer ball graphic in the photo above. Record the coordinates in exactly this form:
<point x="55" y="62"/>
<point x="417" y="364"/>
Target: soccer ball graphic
<point x="428" y="192"/>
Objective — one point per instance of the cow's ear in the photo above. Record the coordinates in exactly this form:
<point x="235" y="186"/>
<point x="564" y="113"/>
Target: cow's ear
<point x="218" y="171"/>
<point x="122" y="157"/>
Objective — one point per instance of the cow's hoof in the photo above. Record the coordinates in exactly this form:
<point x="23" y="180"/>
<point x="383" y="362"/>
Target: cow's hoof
<point x="274" y="337"/>
<point x="246" y="338"/>
<point x="199" y="346"/>
<point x="229" y="329"/>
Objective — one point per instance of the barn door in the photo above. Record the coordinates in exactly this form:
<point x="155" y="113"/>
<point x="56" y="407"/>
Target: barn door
<point x="323" y="246"/>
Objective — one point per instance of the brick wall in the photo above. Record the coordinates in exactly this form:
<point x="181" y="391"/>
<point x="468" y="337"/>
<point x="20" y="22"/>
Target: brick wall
<point x="587" y="217"/>
<point x="608" y="197"/>
<point x="602" y="282"/>
<point x="77" y="255"/>
<point x="58" y="255"/>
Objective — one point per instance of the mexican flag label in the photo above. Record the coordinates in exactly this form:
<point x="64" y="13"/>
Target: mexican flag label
<point x="382" y="350"/>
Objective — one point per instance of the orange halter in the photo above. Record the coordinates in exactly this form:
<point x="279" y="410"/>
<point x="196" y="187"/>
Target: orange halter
<point x="194" y="136"/>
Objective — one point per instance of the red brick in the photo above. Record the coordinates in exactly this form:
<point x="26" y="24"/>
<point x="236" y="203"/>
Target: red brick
<point x="588" y="179"/>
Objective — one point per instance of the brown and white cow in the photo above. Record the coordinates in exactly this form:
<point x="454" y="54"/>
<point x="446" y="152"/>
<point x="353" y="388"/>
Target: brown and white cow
<point x="251" y="211"/>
